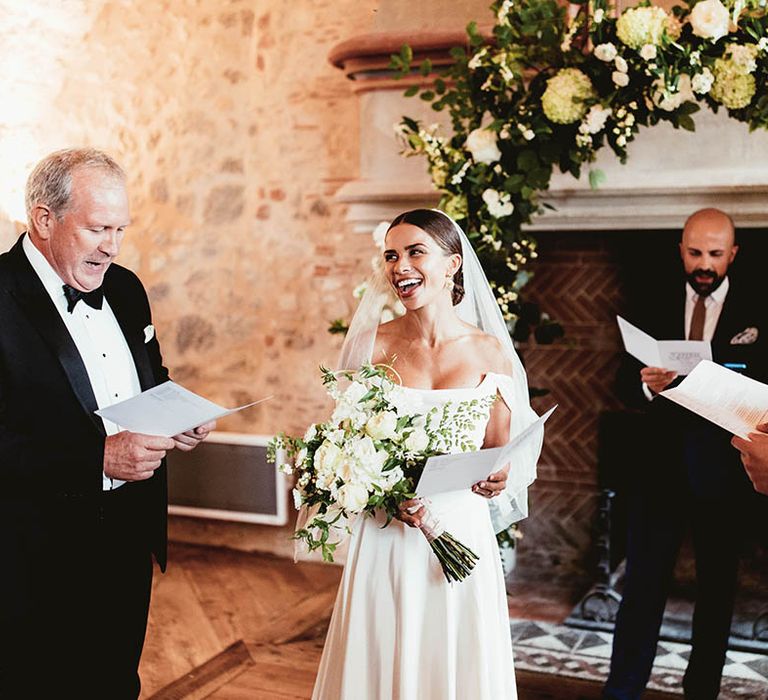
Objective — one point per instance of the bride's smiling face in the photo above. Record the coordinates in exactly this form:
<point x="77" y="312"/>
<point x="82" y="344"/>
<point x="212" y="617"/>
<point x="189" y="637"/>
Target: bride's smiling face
<point x="416" y="266"/>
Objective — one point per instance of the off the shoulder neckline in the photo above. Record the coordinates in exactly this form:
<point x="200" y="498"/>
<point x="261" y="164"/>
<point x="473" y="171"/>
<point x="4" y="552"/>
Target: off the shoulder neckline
<point x="454" y="388"/>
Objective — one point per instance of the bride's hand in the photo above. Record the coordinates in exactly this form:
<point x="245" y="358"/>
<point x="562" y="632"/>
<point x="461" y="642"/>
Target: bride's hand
<point x="411" y="512"/>
<point x="493" y="485"/>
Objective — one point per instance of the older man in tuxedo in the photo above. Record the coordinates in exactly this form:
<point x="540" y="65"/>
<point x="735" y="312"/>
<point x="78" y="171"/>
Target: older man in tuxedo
<point x="690" y="476"/>
<point x="82" y="504"/>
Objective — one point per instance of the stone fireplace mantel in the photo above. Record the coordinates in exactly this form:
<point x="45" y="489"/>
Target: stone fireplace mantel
<point x="669" y="173"/>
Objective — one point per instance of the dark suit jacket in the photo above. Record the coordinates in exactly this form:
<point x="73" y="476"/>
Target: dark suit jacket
<point x="677" y="444"/>
<point x="51" y="442"/>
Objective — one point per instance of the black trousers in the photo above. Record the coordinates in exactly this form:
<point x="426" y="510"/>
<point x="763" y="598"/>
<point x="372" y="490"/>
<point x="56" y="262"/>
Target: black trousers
<point x="79" y="629"/>
<point x="656" y="529"/>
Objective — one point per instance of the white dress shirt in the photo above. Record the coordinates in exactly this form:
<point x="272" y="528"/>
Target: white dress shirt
<point x="99" y="340"/>
<point x="713" y="304"/>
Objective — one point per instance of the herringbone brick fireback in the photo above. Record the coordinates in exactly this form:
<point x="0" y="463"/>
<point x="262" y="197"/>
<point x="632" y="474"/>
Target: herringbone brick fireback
<point x="578" y="281"/>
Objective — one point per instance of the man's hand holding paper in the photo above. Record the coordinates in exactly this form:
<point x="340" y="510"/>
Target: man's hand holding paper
<point x="670" y="356"/>
<point x="657" y="378"/>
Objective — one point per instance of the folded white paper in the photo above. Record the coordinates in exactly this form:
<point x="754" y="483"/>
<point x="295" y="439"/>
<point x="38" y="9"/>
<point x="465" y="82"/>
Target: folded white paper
<point x="456" y="472"/>
<point x="736" y="403"/>
<point x="166" y="410"/>
<point x="680" y="356"/>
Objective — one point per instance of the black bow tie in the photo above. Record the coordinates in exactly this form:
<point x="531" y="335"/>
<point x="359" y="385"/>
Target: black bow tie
<point x="94" y="299"/>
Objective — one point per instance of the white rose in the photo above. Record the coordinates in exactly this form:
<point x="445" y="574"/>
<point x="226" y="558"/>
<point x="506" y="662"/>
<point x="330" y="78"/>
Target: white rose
<point x="702" y="82"/>
<point x="353" y="497"/>
<point x="605" y="52"/>
<point x="648" y="52"/>
<point x="382" y="426"/>
<point x="621" y="141"/>
<point x="595" y="119"/>
<point x="529" y="134"/>
<point x="709" y="19"/>
<point x="621" y="64"/>
<point x="620" y="79"/>
<point x="598" y="16"/>
<point x="417" y="441"/>
<point x="483" y="145"/>
<point x="311" y="432"/>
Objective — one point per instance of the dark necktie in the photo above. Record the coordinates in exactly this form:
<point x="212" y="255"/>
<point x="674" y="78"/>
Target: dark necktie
<point x="698" y="319"/>
<point x="94" y="299"/>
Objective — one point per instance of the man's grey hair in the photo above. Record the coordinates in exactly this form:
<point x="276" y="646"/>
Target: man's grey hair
<point x="50" y="183"/>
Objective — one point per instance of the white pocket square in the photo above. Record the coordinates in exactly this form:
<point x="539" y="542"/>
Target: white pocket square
<point x="746" y="337"/>
<point x="149" y="333"/>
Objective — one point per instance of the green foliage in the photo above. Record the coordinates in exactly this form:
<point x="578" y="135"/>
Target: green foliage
<point x="511" y="125"/>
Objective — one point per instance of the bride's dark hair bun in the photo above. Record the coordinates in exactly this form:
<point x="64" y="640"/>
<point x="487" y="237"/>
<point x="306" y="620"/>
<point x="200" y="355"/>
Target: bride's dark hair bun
<point x="442" y="231"/>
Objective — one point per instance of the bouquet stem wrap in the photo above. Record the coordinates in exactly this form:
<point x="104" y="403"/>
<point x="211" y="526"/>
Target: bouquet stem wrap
<point x="456" y="559"/>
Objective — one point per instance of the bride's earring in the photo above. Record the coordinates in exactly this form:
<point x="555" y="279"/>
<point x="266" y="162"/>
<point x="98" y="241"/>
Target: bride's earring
<point x="449" y="284"/>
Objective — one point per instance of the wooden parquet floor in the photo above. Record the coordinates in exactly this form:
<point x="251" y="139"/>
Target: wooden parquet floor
<point x="229" y="625"/>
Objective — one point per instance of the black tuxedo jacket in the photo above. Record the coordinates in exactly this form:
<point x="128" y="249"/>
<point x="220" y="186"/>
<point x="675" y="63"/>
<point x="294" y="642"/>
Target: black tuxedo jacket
<point x="676" y="442"/>
<point x="51" y="442"/>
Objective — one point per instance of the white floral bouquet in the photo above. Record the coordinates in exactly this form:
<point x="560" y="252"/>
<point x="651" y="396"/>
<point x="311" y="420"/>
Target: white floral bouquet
<point x="369" y="456"/>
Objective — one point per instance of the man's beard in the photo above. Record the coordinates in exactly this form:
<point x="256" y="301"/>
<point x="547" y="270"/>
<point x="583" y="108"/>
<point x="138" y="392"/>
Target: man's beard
<point x="712" y="283"/>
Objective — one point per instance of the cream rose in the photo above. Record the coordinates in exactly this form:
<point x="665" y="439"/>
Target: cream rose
<point x="709" y="19"/>
<point x="648" y="52"/>
<point x="620" y="79"/>
<point x="417" y="441"/>
<point x="483" y="145"/>
<point x="352" y="497"/>
<point x="382" y="426"/>
<point x="605" y="52"/>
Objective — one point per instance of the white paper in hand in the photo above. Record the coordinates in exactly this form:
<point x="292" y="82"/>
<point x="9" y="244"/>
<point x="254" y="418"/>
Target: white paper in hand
<point x="460" y="471"/>
<point x="728" y="399"/>
<point x="166" y="410"/>
<point x="680" y="356"/>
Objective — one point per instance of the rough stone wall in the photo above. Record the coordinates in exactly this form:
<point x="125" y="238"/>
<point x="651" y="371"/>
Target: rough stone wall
<point x="235" y="132"/>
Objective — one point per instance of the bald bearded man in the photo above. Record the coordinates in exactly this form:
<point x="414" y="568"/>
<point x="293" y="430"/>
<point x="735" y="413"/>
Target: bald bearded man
<point x="691" y="475"/>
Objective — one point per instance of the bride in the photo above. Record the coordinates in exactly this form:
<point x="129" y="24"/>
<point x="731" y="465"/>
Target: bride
<point x="399" y="631"/>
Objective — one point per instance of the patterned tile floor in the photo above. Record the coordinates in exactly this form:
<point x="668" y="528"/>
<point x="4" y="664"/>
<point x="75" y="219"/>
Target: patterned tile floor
<point x="552" y="648"/>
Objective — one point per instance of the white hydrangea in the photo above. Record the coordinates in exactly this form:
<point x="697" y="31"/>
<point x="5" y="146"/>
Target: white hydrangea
<point x="701" y="83"/>
<point x="595" y="120"/>
<point x="498" y="204"/>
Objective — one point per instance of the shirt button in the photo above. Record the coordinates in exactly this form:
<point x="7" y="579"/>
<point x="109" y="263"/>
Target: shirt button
<point x="115" y="395"/>
<point x="103" y="354"/>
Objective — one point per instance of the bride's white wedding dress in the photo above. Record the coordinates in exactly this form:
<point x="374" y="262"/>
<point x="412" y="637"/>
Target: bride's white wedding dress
<point x="399" y="631"/>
